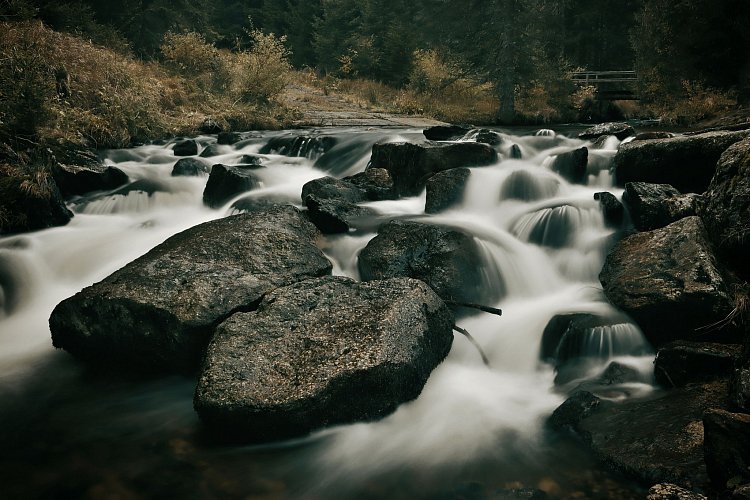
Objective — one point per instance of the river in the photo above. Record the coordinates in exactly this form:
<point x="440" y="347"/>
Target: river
<point x="68" y="431"/>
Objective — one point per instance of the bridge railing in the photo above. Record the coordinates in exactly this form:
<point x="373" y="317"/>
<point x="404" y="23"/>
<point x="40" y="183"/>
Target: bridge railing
<point x="595" y="77"/>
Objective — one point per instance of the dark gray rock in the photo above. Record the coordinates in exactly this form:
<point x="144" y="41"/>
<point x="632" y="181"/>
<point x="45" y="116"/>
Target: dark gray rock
<point x="186" y="148"/>
<point x="618" y="373"/>
<point x="553" y="227"/>
<point x="572" y="166"/>
<point x="667" y="491"/>
<point x="189" y="167"/>
<point x="158" y="312"/>
<point x="23" y="209"/>
<point x="210" y="126"/>
<point x="681" y="362"/>
<point x="726" y="212"/>
<point x="77" y="180"/>
<point x="321" y="352"/>
<point x="648" y="136"/>
<point x="410" y="165"/>
<point x="446" y="132"/>
<point x="727" y="448"/>
<point x="447" y="260"/>
<point x="211" y="150"/>
<point x="514" y="153"/>
<point x="667" y="280"/>
<point x="489" y="137"/>
<point x="334" y="216"/>
<point x="329" y="188"/>
<point x="525" y="186"/>
<point x="577" y="407"/>
<point x="688" y="163"/>
<point x="256" y="204"/>
<point x="228" y="138"/>
<point x="739" y="387"/>
<point x="299" y="146"/>
<point x="619" y="130"/>
<point x="377" y="183"/>
<point x="653" y="206"/>
<point x="250" y="160"/>
<point x="563" y="334"/>
<point x="446" y="189"/>
<point x="612" y="209"/>
<point x="226" y="181"/>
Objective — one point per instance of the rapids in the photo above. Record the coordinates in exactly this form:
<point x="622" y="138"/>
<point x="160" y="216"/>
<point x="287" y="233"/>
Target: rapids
<point x="543" y="242"/>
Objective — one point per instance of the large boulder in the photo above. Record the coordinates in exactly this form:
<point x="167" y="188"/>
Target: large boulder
<point x="334" y="216"/>
<point x="158" y="312"/>
<point x="186" y="148"/>
<point x="688" y="162"/>
<point x="446" y="189"/>
<point x="410" y="164"/>
<point x="447" y="260"/>
<point x="77" y="180"/>
<point x="446" y="132"/>
<point x="227" y="181"/>
<point x="329" y="188"/>
<point x="727" y="448"/>
<point x="681" y="362"/>
<point x="667" y="280"/>
<point x="299" y="146"/>
<point x="572" y="166"/>
<point x="726" y="211"/>
<point x="652" y="206"/>
<point x="29" y="203"/>
<point x="618" y="129"/>
<point x="321" y="352"/>
<point x="190" y="167"/>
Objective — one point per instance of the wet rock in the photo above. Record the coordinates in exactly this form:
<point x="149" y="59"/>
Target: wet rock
<point x="739" y="387"/>
<point x="77" y="180"/>
<point x="189" y="167"/>
<point x="726" y="212"/>
<point x="23" y="209"/>
<point x="256" y="204"/>
<point x="410" y="165"/>
<point x="525" y="186"/>
<point x="377" y="183"/>
<point x="667" y="280"/>
<point x="299" y="146"/>
<point x="555" y="347"/>
<point x="321" y="352"/>
<point x="653" y="206"/>
<point x="618" y="373"/>
<point x="186" y="148"/>
<point x="577" y="407"/>
<point x="514" y="153"/>
<point x="446" y="189"/>
<point x="648" y="136"/>
<point x="446" y="132"/>
<point x="489" y="137"/>
<point x="334" y="216"/>
<point x="517" y="494"/>
<point x="666" y="491"/>
<point x="447" y="260"/>
<point x="211" y="150"/>
<point x="688" y="163"/>
<point x="655" y="440"/>
<point x="572" y="165"/>
<point x="550" y="227"/>
<point x="226" y="181"/>
<point x="326" y="188"/>
<point x="727" y="448"/>
<point x="681" y="362"/>
<point x="619" y="130"/>
<point x="228" y="138"/>
<point x="250" y="160"/>
<point x="612" y="209"/>
<point x="741" y="492"/>
<point x="210" y="126"/>
<point x="158" y="312"/>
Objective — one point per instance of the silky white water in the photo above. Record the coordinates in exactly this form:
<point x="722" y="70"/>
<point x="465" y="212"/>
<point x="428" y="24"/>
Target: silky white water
<point x="543" y="241"/>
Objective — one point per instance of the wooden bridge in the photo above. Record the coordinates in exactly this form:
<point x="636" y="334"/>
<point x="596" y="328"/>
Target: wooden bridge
<point x="610" y="85"/>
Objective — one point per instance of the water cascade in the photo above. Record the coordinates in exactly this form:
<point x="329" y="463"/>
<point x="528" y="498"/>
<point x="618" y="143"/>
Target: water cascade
<point x="542" y="241"/>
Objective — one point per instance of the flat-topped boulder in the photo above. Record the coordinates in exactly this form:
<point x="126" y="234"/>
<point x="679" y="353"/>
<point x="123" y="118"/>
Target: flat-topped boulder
<point x="158" y="312"/>
<point x="81" y="179"/>
<point x="687" y="162"/>
<point x="681" y="362"/>
<point x="446" y="132"/>
<point x="321" y="352"/>
<point x="411" y="164"/>
<point x="668" y="281"/>
<point x="652" y="206"/>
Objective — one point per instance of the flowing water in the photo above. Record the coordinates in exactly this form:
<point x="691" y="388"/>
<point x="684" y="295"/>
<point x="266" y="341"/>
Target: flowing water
<point x="68" y="432"/>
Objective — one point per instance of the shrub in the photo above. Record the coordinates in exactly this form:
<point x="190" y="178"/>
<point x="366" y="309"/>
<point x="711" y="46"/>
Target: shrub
<point x="191" y="56"/>
<point x="533" y="104"/>
<point x="262" y="72"/>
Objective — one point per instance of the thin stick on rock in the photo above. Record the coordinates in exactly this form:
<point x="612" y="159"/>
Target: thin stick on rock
<point x="487" y="309"/>
<point x="474" y="342"/>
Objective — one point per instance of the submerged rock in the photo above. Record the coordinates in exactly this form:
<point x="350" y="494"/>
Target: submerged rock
<point x="446" y="132"/>
<point x="446" y="189"/>
<point x="619" y="130"/>
<point x="667" y="280"/>
<point x="568" y="415"/>
<point x="410" y="165"/>
<point x="681" y="362"/>
<point x="550" y="227"/>
<point x="226" y="181"/>
<point x="334" y="216"/>
<point x="572" y="166"/>
<point x="158" y="312"/>
<point x="727" y="448"/>
<point x="447" y="260"/>
<point x="299" y="146"/>
<point x="525" y="186"/>
<point x="726" y="212"/>
<point x="186" y="148"/>
<point x="514" y="153"/>
<point x="653" y="206"/>
<point x="190" y="167"/>
<point x="228" y="138"/>
<point x="688" y="163"/>
<point x="78" y="180"/>
<point x="321" y="352"/>
<point x="211" y="150"/>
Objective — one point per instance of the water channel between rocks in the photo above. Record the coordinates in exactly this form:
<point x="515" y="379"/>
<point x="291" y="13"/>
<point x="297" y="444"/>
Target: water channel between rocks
<point x="71" y="432"/>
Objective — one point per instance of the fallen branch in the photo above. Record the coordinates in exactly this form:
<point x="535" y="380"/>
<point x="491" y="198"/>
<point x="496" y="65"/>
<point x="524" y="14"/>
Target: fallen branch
<point x="487" y="309"/>
<point x="474" y="342"/>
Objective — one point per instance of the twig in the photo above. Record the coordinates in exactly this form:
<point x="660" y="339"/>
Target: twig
<point x="474" y="342"/>
<point x="487" y="309"/>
